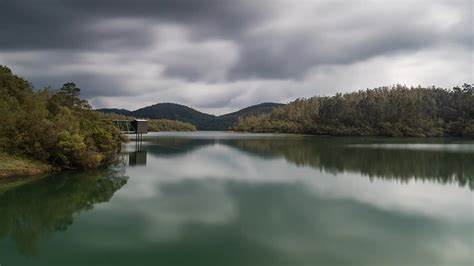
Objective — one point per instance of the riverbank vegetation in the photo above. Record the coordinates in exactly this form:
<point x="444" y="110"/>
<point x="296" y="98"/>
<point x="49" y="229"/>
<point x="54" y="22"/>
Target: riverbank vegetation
<point x="18" y="166"/>
<point x="389" y="111"/>
<point x="53" y="126"/>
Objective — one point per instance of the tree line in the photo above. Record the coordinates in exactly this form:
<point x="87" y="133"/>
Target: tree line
<point x="397" y="111"/>
<point x="157" y="125"/>
<point x="154" y="125"/>
<point x="54" y="126"/>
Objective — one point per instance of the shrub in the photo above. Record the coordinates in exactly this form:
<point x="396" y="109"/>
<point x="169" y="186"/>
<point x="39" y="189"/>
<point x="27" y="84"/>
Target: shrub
<point x="54" y="126"/>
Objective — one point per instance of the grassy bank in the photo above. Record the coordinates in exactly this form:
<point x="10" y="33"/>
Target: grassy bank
<point x="16" y="166"/>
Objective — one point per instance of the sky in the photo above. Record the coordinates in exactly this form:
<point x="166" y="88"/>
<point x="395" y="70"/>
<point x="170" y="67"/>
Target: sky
<point x="222" y="55"/>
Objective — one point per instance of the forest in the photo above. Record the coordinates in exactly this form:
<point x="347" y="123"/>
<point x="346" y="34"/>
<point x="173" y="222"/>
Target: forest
<point x="157" y="125"/>
<point x="53" y="126"/>
<point x="397" y="111"/>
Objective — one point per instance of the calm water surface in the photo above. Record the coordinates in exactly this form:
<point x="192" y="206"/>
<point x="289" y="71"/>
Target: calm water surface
<point x="251" y="200"/>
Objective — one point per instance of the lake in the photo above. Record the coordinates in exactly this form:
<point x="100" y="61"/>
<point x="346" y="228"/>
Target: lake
<point x="215" y="198"/>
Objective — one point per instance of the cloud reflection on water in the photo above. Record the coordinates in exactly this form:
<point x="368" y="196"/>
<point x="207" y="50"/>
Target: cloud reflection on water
<point x="226" y="200"/>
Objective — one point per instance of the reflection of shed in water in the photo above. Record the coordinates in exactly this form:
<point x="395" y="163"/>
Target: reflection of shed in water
<point x="137" y="158"/>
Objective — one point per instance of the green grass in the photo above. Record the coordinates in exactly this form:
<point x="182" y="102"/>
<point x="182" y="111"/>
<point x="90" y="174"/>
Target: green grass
<point x="18" y="166"/>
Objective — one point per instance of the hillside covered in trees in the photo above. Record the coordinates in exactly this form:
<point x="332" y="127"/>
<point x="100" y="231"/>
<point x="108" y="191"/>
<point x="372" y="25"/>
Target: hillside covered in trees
<point x="53" y="126"/>
<point x="226" y="121"/>
<point x="202" y="121"/>
<point x="388" y="111"/>
<point x="154" y="125"/>
<point x="159" y="125"/>
<point x="168" y="111"/>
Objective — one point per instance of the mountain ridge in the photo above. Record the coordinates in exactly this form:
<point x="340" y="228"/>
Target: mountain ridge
<point x="203" y="121"/>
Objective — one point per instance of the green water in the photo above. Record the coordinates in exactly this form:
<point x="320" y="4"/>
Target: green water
<point x="251" y="200"/>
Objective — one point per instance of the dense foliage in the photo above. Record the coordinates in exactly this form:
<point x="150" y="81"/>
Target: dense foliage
<point x="226" y="121"/>
<point x="54" y="126"/>
<point x="202" y="121"/>
<point x="394" y="111"/>
<point x="169" y="125"/>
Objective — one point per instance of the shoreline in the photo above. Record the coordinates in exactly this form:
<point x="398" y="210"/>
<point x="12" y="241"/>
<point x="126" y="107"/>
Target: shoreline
<point x="14" y="166"/>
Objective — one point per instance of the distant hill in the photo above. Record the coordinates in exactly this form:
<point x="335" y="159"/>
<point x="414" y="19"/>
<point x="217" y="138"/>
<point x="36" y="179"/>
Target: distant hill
<point x="224" y="122"/>
<point x="174" y="111"/>
<point x="202" y="121"/>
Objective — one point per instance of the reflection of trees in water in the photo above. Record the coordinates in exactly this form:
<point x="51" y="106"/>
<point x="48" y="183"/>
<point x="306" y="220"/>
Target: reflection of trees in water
<point x="37" y="209"/>
<point x="402" y="164"/>
<point x="335" y="156"/>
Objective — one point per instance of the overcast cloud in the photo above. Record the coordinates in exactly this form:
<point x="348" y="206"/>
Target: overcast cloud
<point x="221" y="55"/>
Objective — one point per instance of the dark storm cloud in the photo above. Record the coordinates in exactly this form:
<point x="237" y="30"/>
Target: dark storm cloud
<point x="91" y="84"/>
<point x="217" y="53"/>
<point x="355" y="32"/>
<point x="69" y="24"/>
<point x="295" y="53"/>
